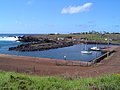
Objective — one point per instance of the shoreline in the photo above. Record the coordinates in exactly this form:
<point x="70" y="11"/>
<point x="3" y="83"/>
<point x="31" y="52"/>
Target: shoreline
<point x="111" y="48"/>
<point x="48" y="67"/>
<point x="37" y="59"/>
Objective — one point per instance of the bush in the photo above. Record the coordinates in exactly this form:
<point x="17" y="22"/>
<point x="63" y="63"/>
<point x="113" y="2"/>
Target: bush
<point x="15" y="81"/>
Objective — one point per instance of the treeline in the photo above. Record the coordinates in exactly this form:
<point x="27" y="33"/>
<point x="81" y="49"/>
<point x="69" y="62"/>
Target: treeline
<point x="95" y="32"/>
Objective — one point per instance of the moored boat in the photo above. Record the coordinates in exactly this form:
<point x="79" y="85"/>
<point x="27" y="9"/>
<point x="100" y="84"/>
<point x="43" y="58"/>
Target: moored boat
<point x="95" y="49"/>
<point x="86" y="52"/>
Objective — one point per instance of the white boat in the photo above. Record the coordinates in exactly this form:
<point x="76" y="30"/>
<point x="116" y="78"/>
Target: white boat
<point x="86" y="52"/>
<point x="95" y="49"/>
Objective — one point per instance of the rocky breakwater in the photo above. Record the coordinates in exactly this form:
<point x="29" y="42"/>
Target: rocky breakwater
<point x="40" y="43"/>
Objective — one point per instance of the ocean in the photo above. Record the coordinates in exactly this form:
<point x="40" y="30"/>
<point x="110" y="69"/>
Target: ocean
<point x="71" y="53"/>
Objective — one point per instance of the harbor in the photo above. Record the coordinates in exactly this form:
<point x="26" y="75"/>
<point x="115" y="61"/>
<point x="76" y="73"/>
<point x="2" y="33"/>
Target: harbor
<point x="46" y="66"/>
<point x="108" y="51"/>
<point x="58" y="48"/>
<point x="71" y="52"/>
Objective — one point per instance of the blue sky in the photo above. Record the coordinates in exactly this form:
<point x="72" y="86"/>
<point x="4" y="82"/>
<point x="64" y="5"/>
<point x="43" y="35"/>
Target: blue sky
<point x="59" y="16"/>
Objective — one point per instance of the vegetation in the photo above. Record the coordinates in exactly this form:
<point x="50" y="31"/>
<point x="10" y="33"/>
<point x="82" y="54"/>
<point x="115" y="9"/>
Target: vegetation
<point x="15" y="81"/>
<point x="114" y="37"/>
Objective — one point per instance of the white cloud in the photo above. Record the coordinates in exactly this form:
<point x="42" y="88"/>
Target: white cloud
<point x="76" y="9"/>
<point x="29" y="3"/>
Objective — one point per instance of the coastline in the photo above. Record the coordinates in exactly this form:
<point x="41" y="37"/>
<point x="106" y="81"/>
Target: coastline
<point x="48" y="67"/>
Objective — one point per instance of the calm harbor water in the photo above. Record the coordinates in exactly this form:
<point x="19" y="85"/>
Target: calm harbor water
<point x="71" y="53"/>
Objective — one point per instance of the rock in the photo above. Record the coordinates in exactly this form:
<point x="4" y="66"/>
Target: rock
<point x="41" y="42"/>
<point x="40" y="46"/>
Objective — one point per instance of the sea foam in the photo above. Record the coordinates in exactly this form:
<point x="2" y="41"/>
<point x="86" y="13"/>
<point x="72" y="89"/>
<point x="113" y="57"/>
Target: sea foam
<point x="9" y="38"/>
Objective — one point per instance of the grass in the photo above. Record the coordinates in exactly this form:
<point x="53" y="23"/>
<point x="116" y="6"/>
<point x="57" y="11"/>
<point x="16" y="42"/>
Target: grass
<point x="96" y="37"/>
<point x="99" y="37"/>
<point x="15" y="81"/>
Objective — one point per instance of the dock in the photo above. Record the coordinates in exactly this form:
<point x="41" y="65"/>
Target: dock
<point x="108" y="51"/>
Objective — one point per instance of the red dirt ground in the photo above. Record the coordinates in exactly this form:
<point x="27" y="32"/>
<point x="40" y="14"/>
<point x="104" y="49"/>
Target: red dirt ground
<point x="45" y="67"/>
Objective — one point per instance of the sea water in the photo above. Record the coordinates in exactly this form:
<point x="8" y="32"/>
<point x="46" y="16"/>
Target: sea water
<point x="71" y="52"/>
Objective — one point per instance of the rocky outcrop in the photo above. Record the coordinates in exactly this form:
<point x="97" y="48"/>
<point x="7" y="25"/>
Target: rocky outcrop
<point x="41" y="42"/>
<point x="40" y="46"/>
<point x="45" y="42"/>
<point x="31" y="38"/>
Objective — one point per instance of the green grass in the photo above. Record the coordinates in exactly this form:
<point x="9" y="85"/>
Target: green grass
<point x="15" y="81"/>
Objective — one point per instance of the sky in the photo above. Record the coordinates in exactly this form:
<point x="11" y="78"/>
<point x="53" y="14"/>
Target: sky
<point x="59" y="16"/>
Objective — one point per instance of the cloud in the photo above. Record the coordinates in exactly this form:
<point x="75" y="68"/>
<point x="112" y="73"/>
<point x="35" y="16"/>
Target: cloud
<point x="76" y="9"/>
<point x="29" y="2"/>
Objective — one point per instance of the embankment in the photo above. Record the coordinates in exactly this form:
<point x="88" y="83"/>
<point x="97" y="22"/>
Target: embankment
<point x="42" y="66"/>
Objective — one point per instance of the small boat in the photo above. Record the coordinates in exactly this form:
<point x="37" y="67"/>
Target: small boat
<point x="86" y="52"/>
<point x="95" y="49"/>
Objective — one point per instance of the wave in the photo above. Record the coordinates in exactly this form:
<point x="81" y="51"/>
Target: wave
<point x="9" y="38"/>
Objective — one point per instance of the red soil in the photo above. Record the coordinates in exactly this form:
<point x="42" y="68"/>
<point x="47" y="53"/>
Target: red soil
<point x="43" y="67"/>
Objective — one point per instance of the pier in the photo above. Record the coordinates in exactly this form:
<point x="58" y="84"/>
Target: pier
<point x="108" y="51"/>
